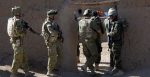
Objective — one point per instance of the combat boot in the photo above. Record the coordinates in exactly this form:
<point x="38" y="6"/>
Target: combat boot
<point x="116" y="72"/>
<point x="92" y="71"/>
<point x="84" y="68"/>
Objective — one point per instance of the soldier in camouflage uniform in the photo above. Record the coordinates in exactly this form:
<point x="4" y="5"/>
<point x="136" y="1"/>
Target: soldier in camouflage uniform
<point x="96" y="21"/>
<point x="16" y="29"/>
<point x="114" y="29"/>
<point x="87" y="36"/>
<point x="53" y="39"/>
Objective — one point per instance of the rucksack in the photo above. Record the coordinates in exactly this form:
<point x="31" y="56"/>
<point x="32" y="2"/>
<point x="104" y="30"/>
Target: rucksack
<point x="49" y="36"/>
<point x="97" y="22"/>
<point x="16" y="27"/>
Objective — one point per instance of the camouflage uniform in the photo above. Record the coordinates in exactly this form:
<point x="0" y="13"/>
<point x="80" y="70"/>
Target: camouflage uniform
<point x="16" y="29"/>
<point x="87" y="36"/>
<point x="96" y="21"/>
<point x="114" y="29"/>
<point x="108" y="26"/>
<point x="53" y="39"/>
<point x="116" y="43"/>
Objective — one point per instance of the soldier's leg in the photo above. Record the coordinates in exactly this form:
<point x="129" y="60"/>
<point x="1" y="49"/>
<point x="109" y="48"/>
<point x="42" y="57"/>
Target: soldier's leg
<point x="112" y="62"/>
<point x="98" y="43"/>
<point x="25" y="63"/>
<point x="117" y="71"/>
<point x="87" y="55"/>
<point x="94" y="54"/>
<point x="17" y="59"/>
<point x="52" y="59"/>
<point x="60" y="54"/>
<point x="117" y="56"/>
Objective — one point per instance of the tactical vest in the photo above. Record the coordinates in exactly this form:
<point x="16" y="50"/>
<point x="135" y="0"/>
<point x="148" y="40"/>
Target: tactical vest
<point x="50" y="35"/>
<point x="16" y="27"/>
<point x="96" y="21"/>
<point x="85" y="30"/>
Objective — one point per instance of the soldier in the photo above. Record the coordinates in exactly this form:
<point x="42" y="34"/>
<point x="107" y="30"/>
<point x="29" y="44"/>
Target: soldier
<point x="78" y="17"/>
<point x="16" y="29"/>
<point x="114" y="29"/>
<point x="53" y="39"/>
<point x="87" y="36"/>
<point x="96" y="21"/>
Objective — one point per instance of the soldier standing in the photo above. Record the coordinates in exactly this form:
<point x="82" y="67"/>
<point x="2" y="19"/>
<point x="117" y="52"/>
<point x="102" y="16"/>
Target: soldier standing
<point x="16" y="29"/>
<point x="87" y="36"/>
<point x="114" y="29"/>
<point x="96" y="22"/>
<point x="53" y="39"/>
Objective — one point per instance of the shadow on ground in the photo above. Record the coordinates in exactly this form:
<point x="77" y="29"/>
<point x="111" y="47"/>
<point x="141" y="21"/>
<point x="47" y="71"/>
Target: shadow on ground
<point x="7" y="74"/>
<point x="77" y="74"/>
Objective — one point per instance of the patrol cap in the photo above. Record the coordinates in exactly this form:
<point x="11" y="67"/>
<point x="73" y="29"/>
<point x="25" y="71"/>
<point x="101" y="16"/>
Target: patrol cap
<point x="87" y="12"/>
<point x="16" y="9"/>
<point x="51" y="12"/>
<point x="112" y="11"/>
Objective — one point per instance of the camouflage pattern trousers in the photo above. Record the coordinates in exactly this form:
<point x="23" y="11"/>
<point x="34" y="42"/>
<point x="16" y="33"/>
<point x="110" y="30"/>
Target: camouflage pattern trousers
<point x="98" y="43"/>
<point x="90" y="51"/>
<point x="54" y="55"/>
<point x="115" y="55"/>
<point x="19" y="59"/>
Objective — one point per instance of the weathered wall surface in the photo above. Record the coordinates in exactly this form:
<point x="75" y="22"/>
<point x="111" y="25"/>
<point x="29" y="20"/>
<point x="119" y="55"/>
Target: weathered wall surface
<point x="136" y="47"/>
<point x="34" y="14"/>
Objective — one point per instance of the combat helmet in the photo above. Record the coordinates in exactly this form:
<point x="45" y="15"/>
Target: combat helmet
<point x="87" y="12"/>
<point x="112" y="11"/>
<point x="15" y="10"/>
<point x="51" y="12"/>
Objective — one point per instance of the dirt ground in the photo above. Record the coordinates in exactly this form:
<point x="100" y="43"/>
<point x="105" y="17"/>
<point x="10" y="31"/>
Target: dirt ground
<point x="103" y="68"/>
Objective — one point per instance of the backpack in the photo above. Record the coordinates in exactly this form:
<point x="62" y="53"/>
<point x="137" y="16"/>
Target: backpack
<point x="49" y="37"/>
<point x="85" y="30"/>
<point x="16" y="27"/>
<point x="96" y="21"/>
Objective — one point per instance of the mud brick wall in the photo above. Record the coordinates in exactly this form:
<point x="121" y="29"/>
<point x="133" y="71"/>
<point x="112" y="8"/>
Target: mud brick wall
<point x="35" y="13"/>
<point x="136" y="47"/>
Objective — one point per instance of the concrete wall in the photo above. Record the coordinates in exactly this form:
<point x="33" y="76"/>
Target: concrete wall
<point x="136" y="47"/>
